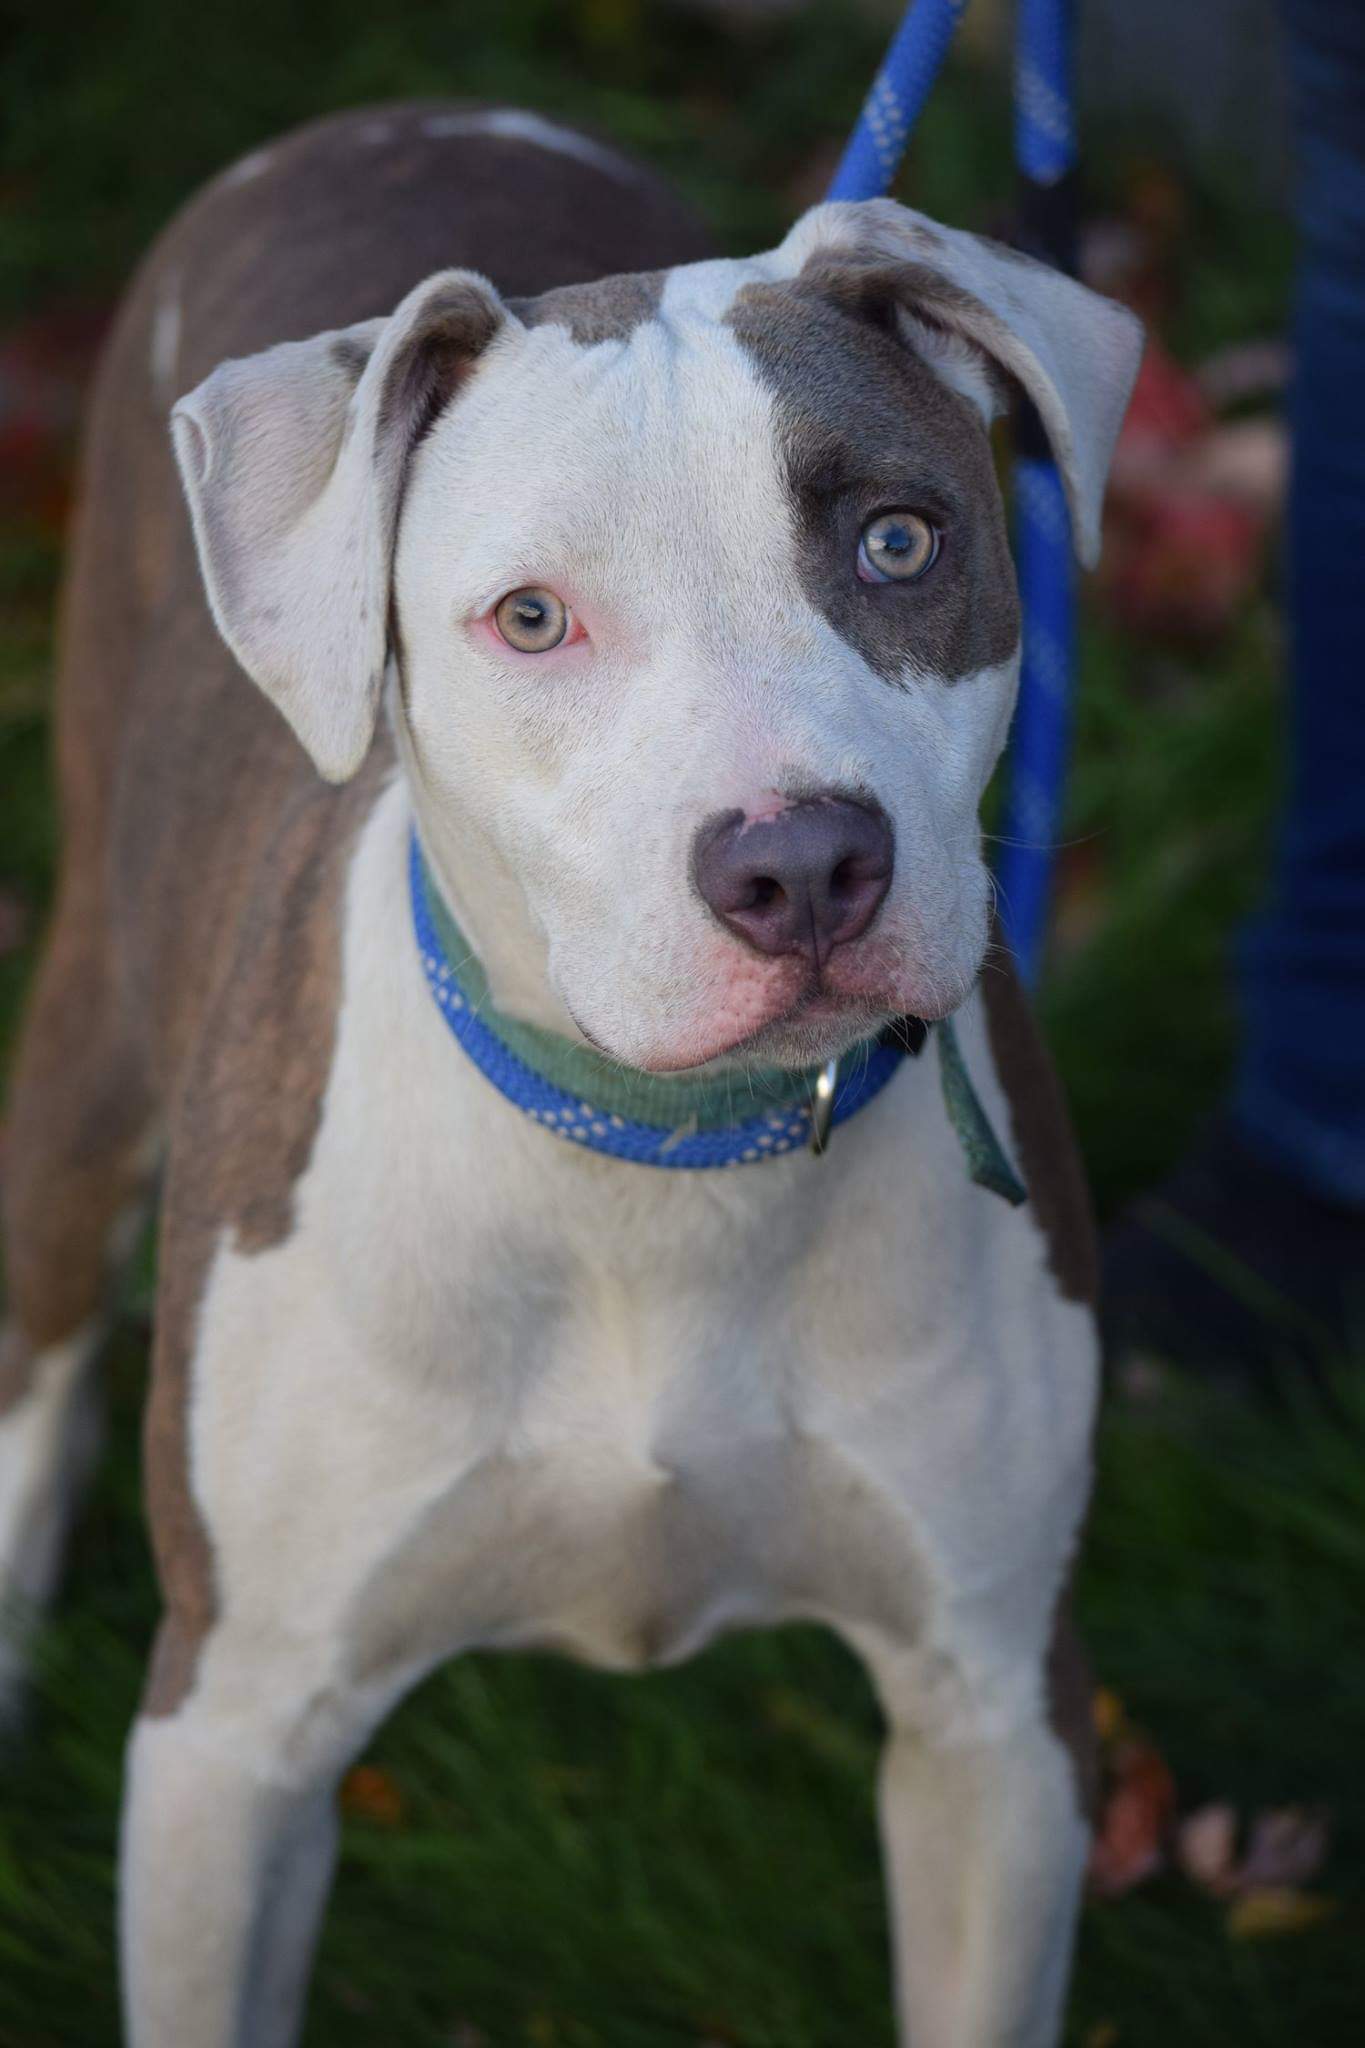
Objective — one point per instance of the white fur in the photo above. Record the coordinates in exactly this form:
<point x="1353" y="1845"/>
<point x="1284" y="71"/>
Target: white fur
<point x="247" y="167"/>
<point x="47" y="1441"/>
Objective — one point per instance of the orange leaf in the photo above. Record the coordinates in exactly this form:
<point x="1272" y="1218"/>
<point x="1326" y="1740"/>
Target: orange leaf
<point x="1107" y="1712"/>
<point x="368" y="1793"/>
<point x="1138" y="1810"/>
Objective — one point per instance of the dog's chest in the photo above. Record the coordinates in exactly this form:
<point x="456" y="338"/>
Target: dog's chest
<point x="626" y="1520"/>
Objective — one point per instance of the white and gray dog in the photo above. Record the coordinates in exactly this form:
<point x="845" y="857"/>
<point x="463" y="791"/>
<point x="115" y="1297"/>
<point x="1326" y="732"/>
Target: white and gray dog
<point x="633" y="639"/>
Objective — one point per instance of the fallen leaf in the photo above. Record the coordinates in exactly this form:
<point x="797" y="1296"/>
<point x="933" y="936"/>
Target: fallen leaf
<point x="1275" y="1910"/>
<point x="1287" y="1848"/>
<point x="369" y="1793"/>
<point x="1206" y="1847"/>
<point x="1136" y="1817"/>
<point x="1104" y="2034"/>
<point x="1108" y="1714"/>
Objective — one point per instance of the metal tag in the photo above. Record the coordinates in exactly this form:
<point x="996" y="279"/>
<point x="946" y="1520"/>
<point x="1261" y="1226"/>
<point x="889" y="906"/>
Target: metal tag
<point x="822" y="1109"/>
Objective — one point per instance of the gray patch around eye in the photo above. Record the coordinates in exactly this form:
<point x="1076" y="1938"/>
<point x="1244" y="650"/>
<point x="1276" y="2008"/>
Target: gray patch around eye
<point x="862" y="418"/>
<point x="609" y="309"/>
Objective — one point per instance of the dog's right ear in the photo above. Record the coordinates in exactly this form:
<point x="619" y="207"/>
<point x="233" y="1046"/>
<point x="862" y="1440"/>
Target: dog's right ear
<point x="294" y="463"/>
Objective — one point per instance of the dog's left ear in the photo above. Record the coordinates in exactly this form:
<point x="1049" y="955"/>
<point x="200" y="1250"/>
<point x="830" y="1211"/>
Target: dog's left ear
<point x="1074" y="353"/>
<point x="294" y="462"/>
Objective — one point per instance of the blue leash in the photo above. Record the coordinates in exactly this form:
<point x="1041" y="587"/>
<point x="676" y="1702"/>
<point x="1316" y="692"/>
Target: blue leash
<point x="1045" y="151"/>
<point x="898" y="93"/>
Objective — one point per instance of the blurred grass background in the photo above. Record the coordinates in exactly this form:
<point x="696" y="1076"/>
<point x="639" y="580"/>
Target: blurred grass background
<point x="544" y="1856"/>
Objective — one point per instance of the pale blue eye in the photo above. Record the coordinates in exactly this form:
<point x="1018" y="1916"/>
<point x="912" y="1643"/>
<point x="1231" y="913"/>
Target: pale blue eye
<point x="896" y="547"/>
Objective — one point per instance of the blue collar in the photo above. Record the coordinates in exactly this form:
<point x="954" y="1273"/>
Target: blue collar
<point x="584" y="1098"/>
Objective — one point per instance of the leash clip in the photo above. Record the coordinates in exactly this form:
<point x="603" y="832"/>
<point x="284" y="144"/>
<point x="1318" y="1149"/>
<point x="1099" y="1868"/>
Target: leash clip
<point x="822" y="1109"/>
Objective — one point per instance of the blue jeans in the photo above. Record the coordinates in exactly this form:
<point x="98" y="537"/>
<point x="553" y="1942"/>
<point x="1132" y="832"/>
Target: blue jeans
<point x="1301" y="1092"/>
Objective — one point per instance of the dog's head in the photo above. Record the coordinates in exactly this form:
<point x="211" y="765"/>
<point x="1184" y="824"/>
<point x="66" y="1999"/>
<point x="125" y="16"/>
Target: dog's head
<point x="695" y="600"/>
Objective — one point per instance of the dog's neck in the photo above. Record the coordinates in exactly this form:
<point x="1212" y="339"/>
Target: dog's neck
<point x="497" y="929"/>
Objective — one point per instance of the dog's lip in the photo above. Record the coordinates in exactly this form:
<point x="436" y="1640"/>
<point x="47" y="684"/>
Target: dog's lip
<point x="814" y="1004"/>
<point x="593" y="1040"/>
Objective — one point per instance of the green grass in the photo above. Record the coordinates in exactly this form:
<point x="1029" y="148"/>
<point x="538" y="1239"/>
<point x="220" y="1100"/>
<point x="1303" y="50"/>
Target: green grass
<point x="690" y="1857"/>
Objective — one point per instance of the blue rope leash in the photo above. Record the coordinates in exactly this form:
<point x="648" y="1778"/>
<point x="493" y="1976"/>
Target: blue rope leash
<point x="1040" y="736"/>
<point x="898" y="93"/>
<point x="1045" y="150"/>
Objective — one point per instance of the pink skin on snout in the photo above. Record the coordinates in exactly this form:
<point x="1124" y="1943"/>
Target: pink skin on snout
<point x="765" y="808"/>
<point x="751" y="993"/>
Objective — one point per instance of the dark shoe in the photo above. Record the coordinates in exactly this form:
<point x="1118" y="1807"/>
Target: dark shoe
<point x="1234" y="1270"/>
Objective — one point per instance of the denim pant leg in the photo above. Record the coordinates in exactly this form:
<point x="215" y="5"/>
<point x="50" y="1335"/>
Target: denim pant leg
<point x="1301" y="1094"/>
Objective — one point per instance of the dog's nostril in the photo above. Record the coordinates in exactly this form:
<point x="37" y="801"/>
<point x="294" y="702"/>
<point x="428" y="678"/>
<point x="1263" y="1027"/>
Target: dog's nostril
<point x="846" y="876"/>
<point x="765" y="891"/>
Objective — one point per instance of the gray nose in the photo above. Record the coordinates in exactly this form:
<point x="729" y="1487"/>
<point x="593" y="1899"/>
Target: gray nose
<point x="804" y="882"/>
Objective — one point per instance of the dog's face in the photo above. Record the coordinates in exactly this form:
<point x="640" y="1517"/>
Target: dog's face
<point x="696" y="600"/>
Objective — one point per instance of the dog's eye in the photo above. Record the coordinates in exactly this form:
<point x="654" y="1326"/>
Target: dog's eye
<point x="533" y="621"/>
<point x="896" y="547"/>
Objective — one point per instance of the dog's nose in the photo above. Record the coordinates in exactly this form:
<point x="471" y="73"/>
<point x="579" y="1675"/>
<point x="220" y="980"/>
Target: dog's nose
<point x="805" y="881"/>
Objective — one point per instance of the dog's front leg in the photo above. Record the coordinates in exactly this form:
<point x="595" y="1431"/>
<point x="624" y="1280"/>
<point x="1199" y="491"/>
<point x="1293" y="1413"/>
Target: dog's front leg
<point x="985" y="1846"/>
<point x="984" y="1851"/>
<point x="229" y="1840"/>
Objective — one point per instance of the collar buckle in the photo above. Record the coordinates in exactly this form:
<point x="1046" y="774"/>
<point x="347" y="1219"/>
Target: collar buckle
<point x="822" y="1109"/>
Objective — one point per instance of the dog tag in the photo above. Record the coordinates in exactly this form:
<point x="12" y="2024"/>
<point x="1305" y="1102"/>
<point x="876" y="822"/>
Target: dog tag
<point x="822" y="1109"/>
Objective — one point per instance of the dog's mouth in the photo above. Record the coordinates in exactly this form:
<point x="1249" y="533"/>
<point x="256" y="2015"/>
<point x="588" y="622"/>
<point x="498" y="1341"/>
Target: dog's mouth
<point x="820" y="1025"/>
<point x="796" y="1018"/>
<point x="816" y="1025"/>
